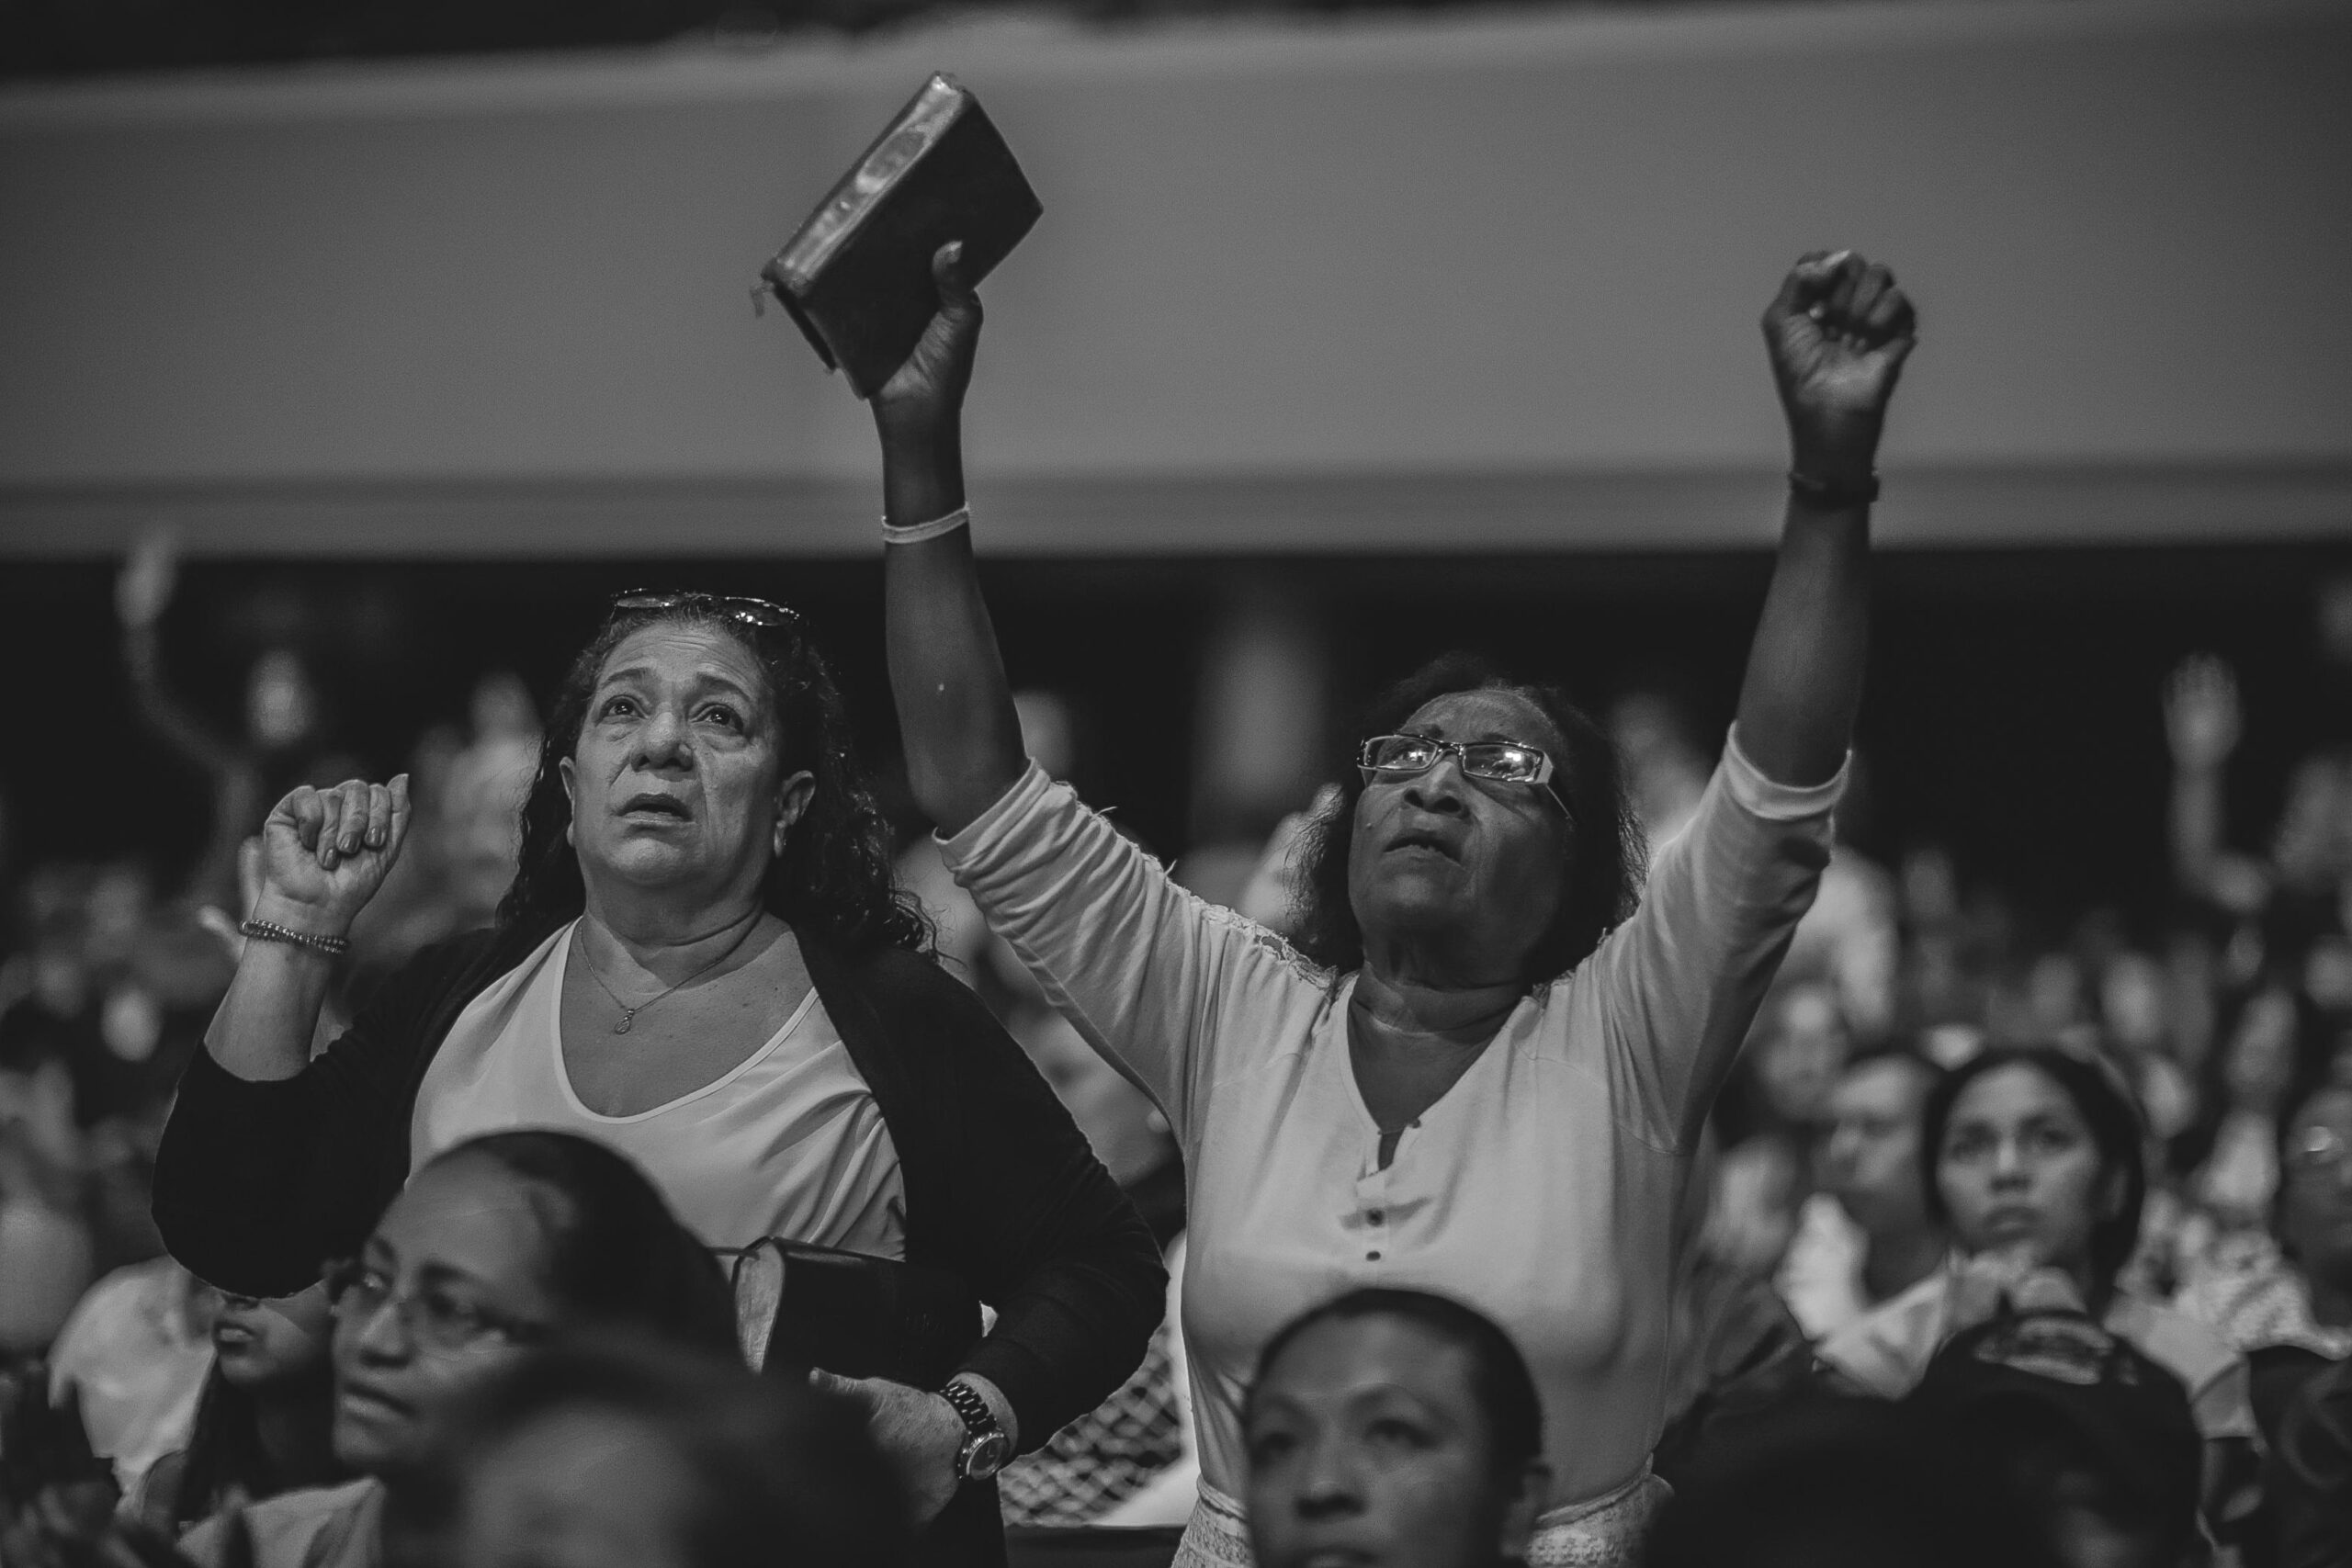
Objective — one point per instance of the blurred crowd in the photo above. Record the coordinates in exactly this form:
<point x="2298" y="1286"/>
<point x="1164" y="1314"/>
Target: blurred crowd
<point x="2225" y="1020"/>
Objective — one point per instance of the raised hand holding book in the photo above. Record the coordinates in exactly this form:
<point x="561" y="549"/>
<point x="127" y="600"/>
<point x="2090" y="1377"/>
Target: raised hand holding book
<point x="856" y="278"/>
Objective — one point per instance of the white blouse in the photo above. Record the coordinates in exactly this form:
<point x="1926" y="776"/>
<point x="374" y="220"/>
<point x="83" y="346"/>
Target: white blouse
<point x="1540" y="1189"/>
<point x="787" y="1142"/>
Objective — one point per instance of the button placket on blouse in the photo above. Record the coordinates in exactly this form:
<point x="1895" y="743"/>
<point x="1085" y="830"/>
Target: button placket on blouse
<point x="1375" y="1197"/>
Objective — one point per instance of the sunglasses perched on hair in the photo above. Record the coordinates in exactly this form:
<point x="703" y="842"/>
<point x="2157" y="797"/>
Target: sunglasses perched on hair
<point x="762" y="614"/>
<point x="1395" y="757"/>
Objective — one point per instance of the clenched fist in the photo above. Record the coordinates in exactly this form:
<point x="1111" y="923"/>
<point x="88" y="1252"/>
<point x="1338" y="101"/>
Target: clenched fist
<point x="325" y="851"/>
<point x="1837" y="333"/>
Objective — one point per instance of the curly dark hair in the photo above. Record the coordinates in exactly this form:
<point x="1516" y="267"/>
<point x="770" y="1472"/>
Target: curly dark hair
<point x="832" y="882"/>
<point x="1599" y="880"/>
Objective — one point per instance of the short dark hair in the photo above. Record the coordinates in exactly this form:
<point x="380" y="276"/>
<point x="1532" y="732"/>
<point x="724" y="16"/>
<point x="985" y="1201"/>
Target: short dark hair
<point x="1898" y="1053"/>
<point x="1500" y="1381"/>
<point x="833" y="881"/>
<point x="776" y="1474"/>
<point x="620" y="1259"/>
<point x="2106" y="1108"/>
<point x="1599" y="880"/>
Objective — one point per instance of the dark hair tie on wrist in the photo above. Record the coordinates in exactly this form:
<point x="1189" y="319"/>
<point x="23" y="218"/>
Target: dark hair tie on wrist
<point x="1826" y="493"/>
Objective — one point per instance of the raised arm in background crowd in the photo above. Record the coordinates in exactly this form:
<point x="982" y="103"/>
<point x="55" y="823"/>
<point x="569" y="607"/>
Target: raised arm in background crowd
<point x="1480" y="1068"/>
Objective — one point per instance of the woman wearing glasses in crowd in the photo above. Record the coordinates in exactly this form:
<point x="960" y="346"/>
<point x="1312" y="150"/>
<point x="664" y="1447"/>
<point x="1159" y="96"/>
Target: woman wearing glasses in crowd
<point x="702" y="962"/>
<point x="1468" y="1074"/>
<point x="505" y="1242"/>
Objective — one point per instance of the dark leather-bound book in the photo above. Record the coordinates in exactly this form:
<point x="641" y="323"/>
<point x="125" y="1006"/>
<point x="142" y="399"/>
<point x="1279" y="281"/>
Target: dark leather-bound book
<point x="857" y="275"/>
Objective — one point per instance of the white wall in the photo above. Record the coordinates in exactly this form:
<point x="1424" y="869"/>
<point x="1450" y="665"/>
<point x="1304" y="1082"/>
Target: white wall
<point x="1482" y="282"/>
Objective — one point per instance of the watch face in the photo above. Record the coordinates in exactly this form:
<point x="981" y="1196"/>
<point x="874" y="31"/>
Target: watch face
<point x="985" y="1455"/>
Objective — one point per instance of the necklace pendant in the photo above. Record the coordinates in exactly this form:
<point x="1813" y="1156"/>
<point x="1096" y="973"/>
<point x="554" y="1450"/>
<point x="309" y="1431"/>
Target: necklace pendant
<point x="629" y="1016"/>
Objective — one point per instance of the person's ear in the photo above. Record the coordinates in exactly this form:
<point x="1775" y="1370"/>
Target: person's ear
<point x="1525" y="1496"/>
<point x="565" y="772"/>
<point x="792" y="799"/>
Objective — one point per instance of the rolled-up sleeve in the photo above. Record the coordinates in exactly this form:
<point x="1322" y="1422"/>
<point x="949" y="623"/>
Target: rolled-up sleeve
<point x="1680" y="982"/>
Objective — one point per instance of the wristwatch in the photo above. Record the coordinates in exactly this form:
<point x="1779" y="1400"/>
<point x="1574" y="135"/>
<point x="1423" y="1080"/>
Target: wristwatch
<point x="986" y="1448"/>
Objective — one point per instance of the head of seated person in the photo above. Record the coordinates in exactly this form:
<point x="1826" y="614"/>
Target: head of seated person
<point x="1870" y="1161"/>
<point x="2312" y="1218"/>
<point x="2033" y="1153"/>
<point x="1841" y="1484"/>
<point x="621" y="1453"/>
<point x="1394" y="1427"/>
<point x="2089" y="1442"/>
<point x="506" y="1242"/>
<point x="698" y="760"/>
<point x="1512" y="861"/>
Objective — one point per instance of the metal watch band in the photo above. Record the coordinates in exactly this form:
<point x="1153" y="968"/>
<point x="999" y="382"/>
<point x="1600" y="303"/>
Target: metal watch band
<point x="985" y="1447"/>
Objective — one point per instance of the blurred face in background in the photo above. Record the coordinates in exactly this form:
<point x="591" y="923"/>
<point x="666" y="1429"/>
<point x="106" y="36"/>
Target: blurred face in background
<point x="455" y="1278"/>
<point x="1798" y="1063"/>
<point x="1870" y="1161"/>
<point x="1368" y="1448"/>
<point x="281" y="708"/>
<point x="2260" y="1060"/>
<point x="579" y="1488"/>
<point x="2315" y="1190"/>
<point x="2018" y="1170"/>
<point x="676" y="782"/>
<point x="271" y="1342"/>
<point x="1458" y="862"/>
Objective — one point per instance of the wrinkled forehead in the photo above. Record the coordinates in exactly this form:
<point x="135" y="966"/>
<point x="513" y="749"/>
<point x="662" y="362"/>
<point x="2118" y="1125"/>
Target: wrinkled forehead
<point x="1487" y="714"/>
<point x="682" y="652"/>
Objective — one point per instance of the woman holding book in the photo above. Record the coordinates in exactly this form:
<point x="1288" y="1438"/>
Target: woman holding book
<point x="1483" y="1067"/>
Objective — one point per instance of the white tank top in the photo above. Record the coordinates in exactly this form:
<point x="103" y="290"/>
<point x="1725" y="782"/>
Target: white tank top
<point x="789" y="1143"/>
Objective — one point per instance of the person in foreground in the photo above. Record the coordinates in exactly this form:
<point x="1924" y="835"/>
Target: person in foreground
<point x="701" y="962"/>
<point x="505" y="1242"/>
<point x="2034" y="1165"/>
<point x="1467" y="1073"/>
<point x="1394" y="1427"/>
<point x="627" y="1453"/>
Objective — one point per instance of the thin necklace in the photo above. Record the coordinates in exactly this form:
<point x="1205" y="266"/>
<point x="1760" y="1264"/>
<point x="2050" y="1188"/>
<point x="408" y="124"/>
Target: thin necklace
<point x="629" y="1013"/>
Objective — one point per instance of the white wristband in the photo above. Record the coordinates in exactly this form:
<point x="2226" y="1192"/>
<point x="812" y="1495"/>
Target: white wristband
<point x="916" y="533"/>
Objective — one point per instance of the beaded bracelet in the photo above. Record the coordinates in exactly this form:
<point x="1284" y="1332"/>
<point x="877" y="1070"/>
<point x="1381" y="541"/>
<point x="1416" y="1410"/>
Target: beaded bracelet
<point x="266" y="930"/>
<point x="916" y="533"/>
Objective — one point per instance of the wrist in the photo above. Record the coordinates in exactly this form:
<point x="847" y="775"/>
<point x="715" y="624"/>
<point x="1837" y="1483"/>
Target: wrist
<point x="278" y="909"/>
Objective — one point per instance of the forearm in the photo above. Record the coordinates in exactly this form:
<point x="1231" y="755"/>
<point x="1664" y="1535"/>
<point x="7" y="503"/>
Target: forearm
<point x="2196" y="825"/>
<point x="1804" y="670"/>
<point x="265" y="1025"/>
<point x="955" y="712"/>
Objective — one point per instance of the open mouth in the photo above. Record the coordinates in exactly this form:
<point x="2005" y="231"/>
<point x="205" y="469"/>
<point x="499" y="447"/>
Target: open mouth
<point x="1421" y="841"/>
<point x="662" y="806"/>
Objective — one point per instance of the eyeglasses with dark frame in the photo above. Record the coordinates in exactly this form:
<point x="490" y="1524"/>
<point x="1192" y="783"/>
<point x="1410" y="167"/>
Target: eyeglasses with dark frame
<point x="1499" y="761"/>
<point x="433" y="1320"/>
<point x="761" y="614"/>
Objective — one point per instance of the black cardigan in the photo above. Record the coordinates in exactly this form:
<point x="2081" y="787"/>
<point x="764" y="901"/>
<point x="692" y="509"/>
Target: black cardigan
<point x="256" y="1183"/>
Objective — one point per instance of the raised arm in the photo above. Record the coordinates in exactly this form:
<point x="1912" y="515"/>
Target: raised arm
<point x="2201" y="729"/>
<point x="323" y="854"/>
<point x="955" y="712"/>
<point x="1837" y="333"/>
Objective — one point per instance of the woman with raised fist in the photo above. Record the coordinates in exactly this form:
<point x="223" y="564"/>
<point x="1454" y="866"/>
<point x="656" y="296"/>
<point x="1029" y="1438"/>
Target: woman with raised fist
<point x="702" y="965"/>
<point x="1483" y="1066"/>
